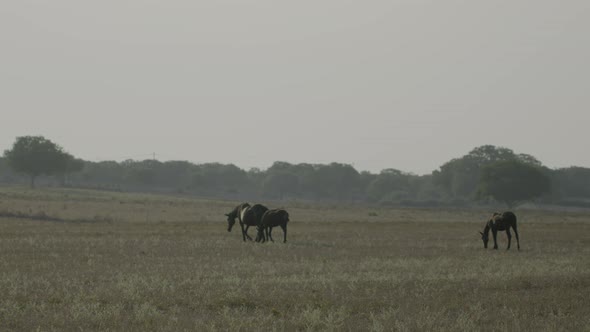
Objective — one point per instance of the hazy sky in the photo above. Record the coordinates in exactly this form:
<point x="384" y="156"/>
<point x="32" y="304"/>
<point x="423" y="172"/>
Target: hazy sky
<point x="405" y="84"/>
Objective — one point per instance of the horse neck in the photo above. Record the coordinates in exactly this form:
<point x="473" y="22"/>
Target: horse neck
<point x="486" y="229"/>
<point x="233" y="214"/>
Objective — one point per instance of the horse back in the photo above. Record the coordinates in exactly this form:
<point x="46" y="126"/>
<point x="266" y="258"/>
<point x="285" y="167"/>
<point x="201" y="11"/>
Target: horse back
<point x="258" y="210"/>
<point x="275" y="217"/>
<point x="503" y="221"/>
<point x="254" y="214"/>
<point x="509" y="218"/>
<point x="508" y="215"/>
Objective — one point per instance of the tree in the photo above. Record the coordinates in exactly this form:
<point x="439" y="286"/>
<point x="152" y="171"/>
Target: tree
<point x="103" y="173"/>
<point x="36" y="155"/>
<point x="279" y="183"/>
<point x="571" y="184"/>
<point x="142" y="173"/>
<point x="513" y="181"/>
<point x="70" y="165"/>
<point x="219" y="177"/>
<point x="389" y="184"/>
<point x="335" y="180"/>
<point x="460" y="176"/>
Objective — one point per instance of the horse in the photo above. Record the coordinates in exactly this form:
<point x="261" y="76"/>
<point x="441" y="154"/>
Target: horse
<point x="270" y="219"/>
<point x="500" y="222"/>
<point x="252" y="217"/>
<point x="238" y="213"/>
<point x="247" y="215"/>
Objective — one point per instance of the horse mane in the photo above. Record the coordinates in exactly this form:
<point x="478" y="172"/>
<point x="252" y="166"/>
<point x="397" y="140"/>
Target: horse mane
<point x="234" y="213"/>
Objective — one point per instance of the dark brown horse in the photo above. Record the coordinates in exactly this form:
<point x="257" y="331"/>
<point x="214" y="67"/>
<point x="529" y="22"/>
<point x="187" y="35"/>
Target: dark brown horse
<point x="252" y="217"/>
<point x="270" y="219"/>
<point x="500" y="222"/>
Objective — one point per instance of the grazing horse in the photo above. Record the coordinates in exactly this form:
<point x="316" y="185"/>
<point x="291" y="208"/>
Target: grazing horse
<point x="270" y="219"/>
<point x="252" y="217"/>
<point x="237" y="212"/>
<point x="500" y="222"/>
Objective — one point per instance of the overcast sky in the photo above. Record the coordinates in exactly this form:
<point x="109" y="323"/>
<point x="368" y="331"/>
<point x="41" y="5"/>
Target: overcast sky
<point x="404" y="84"/>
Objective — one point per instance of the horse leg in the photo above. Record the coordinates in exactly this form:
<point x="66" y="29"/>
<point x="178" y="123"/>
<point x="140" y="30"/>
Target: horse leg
<point x="494" y="234"/>
<point x="270" y="234"/>
<point x="246" y="232"/>
<point x="243" y="231"/>
<point x="516" y="233"/>
<point x="284" y="227"/>
<point x="266" y="233"/>
<point x="509" y="237"/>
<point x="257" y="234"/>
<point x="261" y="237"/>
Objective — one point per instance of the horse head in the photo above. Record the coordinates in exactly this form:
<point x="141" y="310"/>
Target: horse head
<point x="231" y="221"/>
<point x="485" y="238"/>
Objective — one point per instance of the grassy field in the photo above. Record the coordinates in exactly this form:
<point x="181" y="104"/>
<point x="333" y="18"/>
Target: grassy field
<point x="84" y="260"/>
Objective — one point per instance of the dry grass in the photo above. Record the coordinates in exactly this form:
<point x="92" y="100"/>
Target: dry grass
<point x="104" y="261"/>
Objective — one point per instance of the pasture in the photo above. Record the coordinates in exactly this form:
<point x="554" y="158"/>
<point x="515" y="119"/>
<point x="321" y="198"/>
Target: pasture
<point x="85" y="260"/>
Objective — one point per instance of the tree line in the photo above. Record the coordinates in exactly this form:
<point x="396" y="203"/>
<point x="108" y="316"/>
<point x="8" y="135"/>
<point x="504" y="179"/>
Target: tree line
<point x="486" y="175"/>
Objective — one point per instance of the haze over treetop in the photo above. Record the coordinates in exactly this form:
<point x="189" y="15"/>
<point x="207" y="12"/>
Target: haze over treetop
<point x="405" y="83"/>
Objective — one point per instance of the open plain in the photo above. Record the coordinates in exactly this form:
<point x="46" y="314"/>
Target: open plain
<point x="87" y="260"/>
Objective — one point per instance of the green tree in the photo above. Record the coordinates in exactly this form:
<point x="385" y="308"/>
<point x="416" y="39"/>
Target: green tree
<point x="572" y="182"/>
<point x="390" y="184"/>
<point x="279" y="183"/>
<point x="513" y="181"/>
<point x="219" y="177"/>
<point x="335" y="181"/>
<point x="36" y="155"/>
<point x="141" y="173"/>
<point x="460" y="177"/>
<point x="102" y="173"/>
<point x="70" y="165"/>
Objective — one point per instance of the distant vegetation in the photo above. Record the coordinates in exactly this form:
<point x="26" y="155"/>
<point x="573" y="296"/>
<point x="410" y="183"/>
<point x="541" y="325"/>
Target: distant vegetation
<point x="486" y="175"/>
<point x="35" y="156"/>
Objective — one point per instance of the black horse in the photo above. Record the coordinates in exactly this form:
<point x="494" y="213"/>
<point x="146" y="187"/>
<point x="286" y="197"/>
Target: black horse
<point x="252" y="217"/>
<point x="270" y="219"/>
<point x="500" y="222"/>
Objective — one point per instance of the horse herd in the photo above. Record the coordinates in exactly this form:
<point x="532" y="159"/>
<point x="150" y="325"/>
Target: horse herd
<point x="266" y="219"/>
<point x="258" y="215"/>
